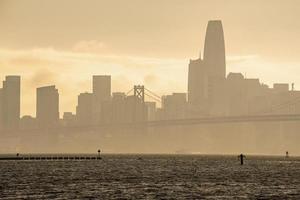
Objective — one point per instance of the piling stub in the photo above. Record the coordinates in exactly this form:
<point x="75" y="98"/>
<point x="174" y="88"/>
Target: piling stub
<point x="241" y="157"/>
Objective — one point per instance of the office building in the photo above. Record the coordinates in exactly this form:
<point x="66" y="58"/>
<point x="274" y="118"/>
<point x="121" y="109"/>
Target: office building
<point x="118" y="107"/>
<point x="151" y="110"/>
<point x="27" y="122"/>
<point x="69" y="119"/>
<point x="135" y="110"/>
<point x="10" y="108"/>
<point x="47" y="107"/>
<point x="174" y="106"/>
<point x="101" y="93"/>
<point x="206" y="78"/>
<point x="84" y="109"/>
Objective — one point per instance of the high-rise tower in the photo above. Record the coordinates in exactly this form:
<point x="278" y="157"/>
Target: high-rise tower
<point x="47" y="107"/>
<point x="102" y="87"/>
<point x="214" y="49"/>
<point x="11" y="102"/>
<point x="84" y="109"/>
<point x="101" y="94"/>
<point x="207" y="75"/>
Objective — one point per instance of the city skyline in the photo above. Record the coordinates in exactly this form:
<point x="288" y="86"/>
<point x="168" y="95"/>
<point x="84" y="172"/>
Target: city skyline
<point x="149" y="99"/>
<point x="210" y="93"/>
<point x="212" y="53"/>
<point x="142" y="47"/>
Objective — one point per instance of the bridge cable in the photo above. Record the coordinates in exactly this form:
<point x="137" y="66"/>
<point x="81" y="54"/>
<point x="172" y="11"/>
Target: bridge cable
<point x="153" y="98"/>
<point x="129" y="91"/>
<point x="152" y="93"/>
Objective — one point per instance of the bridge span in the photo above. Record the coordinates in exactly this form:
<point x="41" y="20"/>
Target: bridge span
<point x="173" y="122"/>
<point x="227" y="119"/>
<point x="203" y="120"/>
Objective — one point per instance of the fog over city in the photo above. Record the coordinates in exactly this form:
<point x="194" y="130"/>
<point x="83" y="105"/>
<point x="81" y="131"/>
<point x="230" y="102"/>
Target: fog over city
<point x="150" y="76"/>
<point x="149" y="99"/>
<point x="139" y="42"/>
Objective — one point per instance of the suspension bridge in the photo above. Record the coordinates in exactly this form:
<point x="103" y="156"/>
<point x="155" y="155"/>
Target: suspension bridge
<point x="140" y="92"/>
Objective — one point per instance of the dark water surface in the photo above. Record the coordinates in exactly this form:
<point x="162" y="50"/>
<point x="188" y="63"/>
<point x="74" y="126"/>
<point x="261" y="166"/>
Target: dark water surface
<point x="152" y="177"/>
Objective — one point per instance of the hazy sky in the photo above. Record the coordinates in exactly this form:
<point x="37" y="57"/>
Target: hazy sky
<point x="65" y="42"/>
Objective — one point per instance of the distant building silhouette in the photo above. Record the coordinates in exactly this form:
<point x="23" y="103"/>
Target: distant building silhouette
<point x="69" y="119"/>
<point x="281" y="87"/>
<point x="101" y="93"/>
<point x="10" y="103"/>
<point x="214" y="50"/>
<point x="47" y="107"/>
<point x="118" y="107"/>
<point x="174" y="106"/>
<point x="28" y="123"/>
<point x="106" y="112"/>
<point x="84" y="109"/>
<point x="206" y="76"/>
<point x="210" y="93"/>
<point x="102" y="87"/>
<point x="198" y="85"/>
<point x="151" y="110"/>
<point x="237" y="95"/>
<point x="135" y="110"/>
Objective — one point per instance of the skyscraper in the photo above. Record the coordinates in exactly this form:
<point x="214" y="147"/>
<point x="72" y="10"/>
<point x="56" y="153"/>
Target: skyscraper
<point x="102" y="87"/>
<point x="197" y="82"/>
<point x="151" y="110"/>
<point x="47" y="107"/>
<point x="11" y="102"/>
<point x="135" y="110"/>
<point x="118" y="107"/>
<point x="214" y="49"/>
<point x="101" y="93"/>
<point x="84" y="109"/>
<point x="207" y="76"/>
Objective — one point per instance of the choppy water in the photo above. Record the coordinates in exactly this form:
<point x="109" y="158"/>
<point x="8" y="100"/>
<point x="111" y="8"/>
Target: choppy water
<point x="152" y="177"/>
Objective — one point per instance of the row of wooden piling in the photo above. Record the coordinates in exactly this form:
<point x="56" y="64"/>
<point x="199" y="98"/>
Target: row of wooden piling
<point x="51" y="158"/>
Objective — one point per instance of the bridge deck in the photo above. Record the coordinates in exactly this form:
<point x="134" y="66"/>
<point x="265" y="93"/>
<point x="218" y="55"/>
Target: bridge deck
<point x="169" y="122"/>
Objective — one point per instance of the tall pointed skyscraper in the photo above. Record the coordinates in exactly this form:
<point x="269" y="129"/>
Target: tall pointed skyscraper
<point x="207" y="75"/>
<point x="214" y="49"/>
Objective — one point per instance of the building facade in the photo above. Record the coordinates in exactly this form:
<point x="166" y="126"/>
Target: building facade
<point x="10" y="103"/>
<point x="47" y="107"/>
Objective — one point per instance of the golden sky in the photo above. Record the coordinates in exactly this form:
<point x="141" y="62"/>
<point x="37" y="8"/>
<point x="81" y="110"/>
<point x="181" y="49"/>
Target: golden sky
<point x="65" y="42"/>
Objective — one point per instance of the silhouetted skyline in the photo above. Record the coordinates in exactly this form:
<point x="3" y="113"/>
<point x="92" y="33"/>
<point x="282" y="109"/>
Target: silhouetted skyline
<point x="209" y="93"/>
<point x="149" y="99"/>
<point x="51" y="44"/>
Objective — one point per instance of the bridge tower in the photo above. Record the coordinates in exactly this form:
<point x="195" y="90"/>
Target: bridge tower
<point x="139" y="110"/>
<point x="139" y="92"/>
